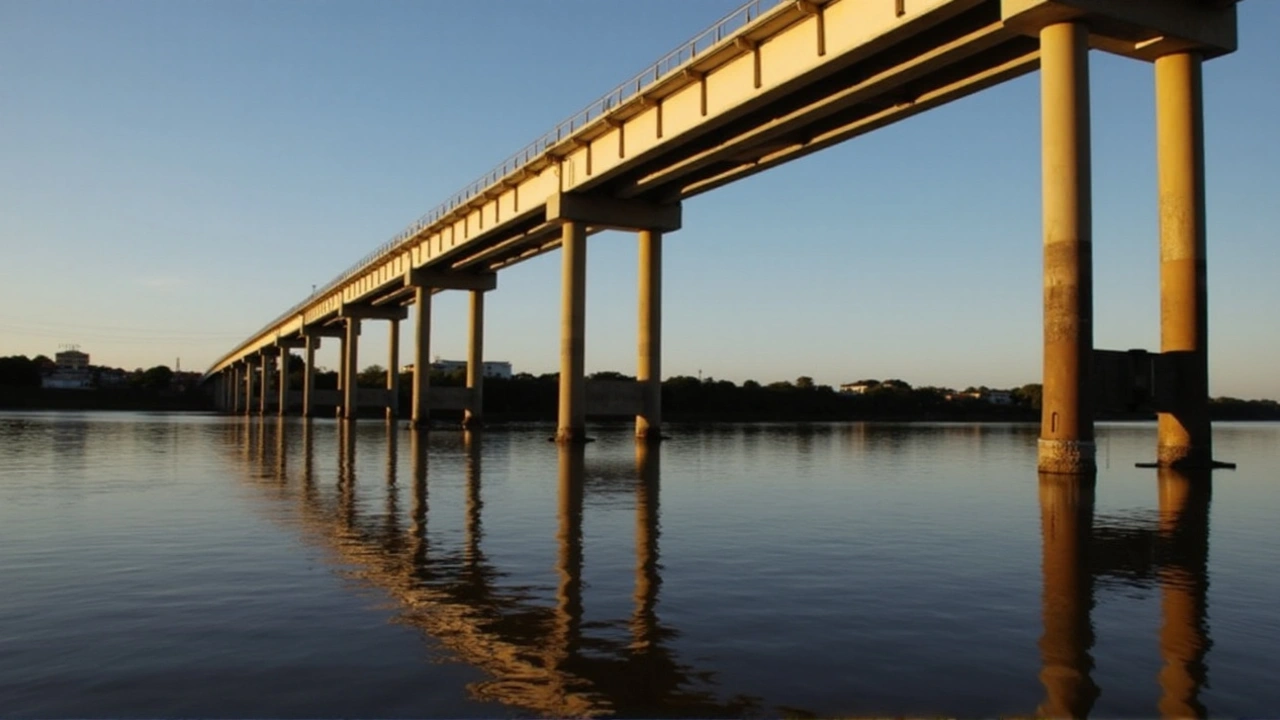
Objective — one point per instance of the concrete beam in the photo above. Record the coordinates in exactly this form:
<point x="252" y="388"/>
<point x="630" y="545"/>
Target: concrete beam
<point x="613" y="212"/>
<point x="421" y="277"/>
<point x="370" y="312"/>
<point x="1141" y="29"/>
<point x="291" y="343"/>
<point x="326" y="331"/>
<point x="269" y="351"/>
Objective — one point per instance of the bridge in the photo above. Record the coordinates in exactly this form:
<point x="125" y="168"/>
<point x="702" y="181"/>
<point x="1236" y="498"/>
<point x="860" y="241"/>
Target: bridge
<point x="774" y="81"/>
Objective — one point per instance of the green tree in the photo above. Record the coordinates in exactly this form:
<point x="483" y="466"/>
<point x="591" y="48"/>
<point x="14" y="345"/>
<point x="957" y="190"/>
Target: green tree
<point x="19" y="371"/>
<point x="374" y="376"/>
<point x="156" y="378"/>
<point x="804" y="382"/>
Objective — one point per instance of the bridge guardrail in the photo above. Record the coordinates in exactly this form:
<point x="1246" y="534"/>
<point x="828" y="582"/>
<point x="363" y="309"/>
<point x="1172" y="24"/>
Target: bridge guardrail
<point x="723" y="29"/>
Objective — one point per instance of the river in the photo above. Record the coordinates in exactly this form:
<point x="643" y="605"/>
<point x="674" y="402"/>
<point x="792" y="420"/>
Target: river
<point x="196" y="565"/>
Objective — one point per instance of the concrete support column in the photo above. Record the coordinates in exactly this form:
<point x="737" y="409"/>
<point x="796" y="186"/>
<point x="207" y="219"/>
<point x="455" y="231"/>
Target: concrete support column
<point x="248" y="388"/>
<point x="351" y="364"/>
<point x="393" y="370"/>
<point x="237" y="389"/>
<point x="649" y="360"/>
<point x="1066" y="425"/>
<point x="1066" y="521"/>
<point x="283" y="381"/>
<point x="265" y="367"/>
<point x="421" y="356"/>
<point x="1184" y="436"/>
<point x="573" y="316"/>
<point x="474" y="414"/>
<point x="309" y="376"/>
<point x="342" y="371"/>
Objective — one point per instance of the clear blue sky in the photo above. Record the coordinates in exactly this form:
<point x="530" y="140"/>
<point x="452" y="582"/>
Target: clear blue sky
<point x="175" y="174"/>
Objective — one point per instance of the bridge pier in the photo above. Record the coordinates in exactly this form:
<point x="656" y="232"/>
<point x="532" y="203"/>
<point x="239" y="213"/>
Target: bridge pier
<point x="350" y="368"/>
<point x="649" y="362"/>
<point x="309" y="374"/>
<point x="393" y="370"/>
<point x="473" y="415"/>
<point x="1066" y="426"/>
<point x="1184" y="438"/>
<point x="571" y="426"/>
<point x="282" y="382"/>
<point x="424" y="283"/>
<point x="267" y="368"/>
<point x="419" y="417"/>
<point x="251" y="363"/>
<point x="575" y="213"/>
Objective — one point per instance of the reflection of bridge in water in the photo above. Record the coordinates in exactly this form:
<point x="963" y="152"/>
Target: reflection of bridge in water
<point x="541" y="656"/>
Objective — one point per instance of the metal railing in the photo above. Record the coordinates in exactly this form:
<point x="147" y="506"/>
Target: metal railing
<point x="726" y="27"/>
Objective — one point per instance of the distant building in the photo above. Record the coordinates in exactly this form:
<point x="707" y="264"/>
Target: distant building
<point x="491" y="368"/>
<point x="858" y="388"/>
<point x="72" y="361"/>
<point x="1000" y="397"/>
<point x="71" y="371"/>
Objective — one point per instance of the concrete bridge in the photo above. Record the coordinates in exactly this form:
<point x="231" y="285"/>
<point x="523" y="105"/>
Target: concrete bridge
<point x="774" y="81"/>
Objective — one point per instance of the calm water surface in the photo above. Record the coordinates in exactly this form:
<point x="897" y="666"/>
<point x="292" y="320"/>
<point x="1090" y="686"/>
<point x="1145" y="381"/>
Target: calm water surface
<point x="169" y="565"/>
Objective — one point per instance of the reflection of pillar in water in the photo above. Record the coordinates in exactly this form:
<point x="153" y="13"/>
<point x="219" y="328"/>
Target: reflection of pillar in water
<point x="418" y="525"/>
<point x="1184" y="585"/>
<point x="568" y="631"/>
<point x="644" y="622"/>
<point x="347" y="471"/>
<point x="308" y="458"/>
<point x="261" y="451"/>
<point x="473" y="530"/>
<point x="282" y="463"/>
<point x="392" y="518"/>
<point x="1066" y="521"/>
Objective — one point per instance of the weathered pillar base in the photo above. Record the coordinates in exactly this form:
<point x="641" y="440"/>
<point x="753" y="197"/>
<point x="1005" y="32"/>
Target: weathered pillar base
<point x="572" y="436"/>
<point x="1184" y="456"/>
<point x="1067" y="457"/>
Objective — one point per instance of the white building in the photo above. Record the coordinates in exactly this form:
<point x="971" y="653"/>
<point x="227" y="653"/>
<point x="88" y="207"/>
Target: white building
<point x="857" y="388"/>
<point x="492" y="368"/>
<point x="72" y="371"/>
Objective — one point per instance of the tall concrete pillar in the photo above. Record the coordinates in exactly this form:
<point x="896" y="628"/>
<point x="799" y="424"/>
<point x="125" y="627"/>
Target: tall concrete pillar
<point x="421" y="356"/>
<point x="342" y="372"/>
<point x="1066" y="426"/>
<point x="1184" y="436"/>
<point x="573" y="319"/>
<point x="309" y="376"/>
<point x="474" y="414"/>
<point x="1184" y="586"/>
<point x="283" y="383"/>
<point x="649" y="365"/>
<point x="237" y="387"/>
<point x="248" y="388"/>
<point x="266" y="368"/>
<point x="351" y="363"/>
<point x="1066" y="521"/>
<point x="393" y="369"/>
